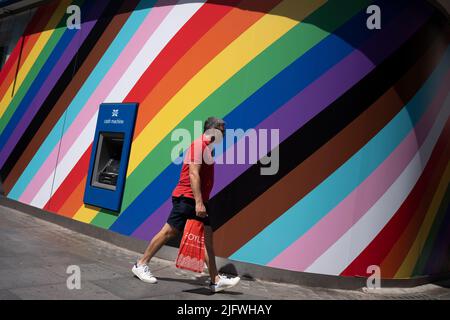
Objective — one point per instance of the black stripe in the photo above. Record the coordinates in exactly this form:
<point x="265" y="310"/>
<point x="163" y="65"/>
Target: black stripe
<point x="111" y="10"/>
<point x="308" y="139"/>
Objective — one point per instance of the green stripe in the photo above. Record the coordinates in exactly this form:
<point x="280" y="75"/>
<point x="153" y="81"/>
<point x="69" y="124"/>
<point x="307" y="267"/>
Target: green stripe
<point x="34" y="71"/>
<point x="236" y="90"/>
<point x="424" y="257"/>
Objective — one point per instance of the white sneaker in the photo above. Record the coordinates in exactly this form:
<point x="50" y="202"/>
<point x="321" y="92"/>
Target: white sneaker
<point x="224" y="283"/>
<point x="143" y="273"/>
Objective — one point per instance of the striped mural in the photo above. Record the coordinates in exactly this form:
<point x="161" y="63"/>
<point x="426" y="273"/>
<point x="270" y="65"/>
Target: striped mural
<point x="363" y="118"/>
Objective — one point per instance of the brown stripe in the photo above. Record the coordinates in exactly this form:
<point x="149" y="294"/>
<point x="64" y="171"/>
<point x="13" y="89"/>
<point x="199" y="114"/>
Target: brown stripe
<point x="305" y="177"/>
<point x="63" y="102"/>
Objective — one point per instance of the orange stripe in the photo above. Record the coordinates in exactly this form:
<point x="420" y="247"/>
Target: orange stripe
<point x="199" y="24"/>
<point x="205" y="50"/>
<point x="94" y="56"/>
<point x="227" y="30"/>
<point x="33" y="26"/>
<point x="74" y="200"/>
<point x="69" y="184"/>
<point x="28" y="45"/>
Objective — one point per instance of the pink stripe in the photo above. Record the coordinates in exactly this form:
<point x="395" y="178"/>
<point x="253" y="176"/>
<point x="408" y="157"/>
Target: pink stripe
<point x="303" y="252"/>
<point x="145" y="31"/>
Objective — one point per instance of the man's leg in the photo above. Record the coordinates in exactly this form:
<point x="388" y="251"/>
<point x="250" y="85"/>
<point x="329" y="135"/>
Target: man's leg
<point x="210" y="256"/>
<point x="166" y="233"/>
<point x="219" y="283"/>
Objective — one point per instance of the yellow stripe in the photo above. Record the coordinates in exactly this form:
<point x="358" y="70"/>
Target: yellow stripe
<point x="85" y="214"/>
<point x="33" y="55"/>
<point x="413" y="255"/>
<point x="239" y="53"/>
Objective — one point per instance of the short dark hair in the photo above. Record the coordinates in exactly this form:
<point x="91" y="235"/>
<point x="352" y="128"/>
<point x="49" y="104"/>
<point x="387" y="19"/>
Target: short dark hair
<point x="212" y="123"/>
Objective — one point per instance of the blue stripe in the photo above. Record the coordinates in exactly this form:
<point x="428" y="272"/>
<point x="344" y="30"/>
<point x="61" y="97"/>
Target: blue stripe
<point x="264" y="247"/>
<point x="106" y="62"/>
<point x="257" y="107"/>
<point x="37" y="83"/>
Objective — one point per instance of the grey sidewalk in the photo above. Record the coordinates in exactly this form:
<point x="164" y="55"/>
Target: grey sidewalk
<point x="35" y="254"/>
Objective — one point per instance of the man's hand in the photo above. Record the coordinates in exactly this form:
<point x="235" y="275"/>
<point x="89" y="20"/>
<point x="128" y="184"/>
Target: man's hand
<point x="200" y="210"/>
<point x="194" y="176"/>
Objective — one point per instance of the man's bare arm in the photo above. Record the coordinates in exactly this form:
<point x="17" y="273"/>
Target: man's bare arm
<point x="194" y="177"/>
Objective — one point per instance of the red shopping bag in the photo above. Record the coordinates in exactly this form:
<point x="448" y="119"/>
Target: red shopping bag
<point x="191" y="255"/>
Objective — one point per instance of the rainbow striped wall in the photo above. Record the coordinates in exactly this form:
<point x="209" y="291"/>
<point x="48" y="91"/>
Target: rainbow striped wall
<point x="363" y="118"/>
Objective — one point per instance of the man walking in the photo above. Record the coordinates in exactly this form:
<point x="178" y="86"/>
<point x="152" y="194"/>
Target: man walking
<point x="190" y="201"/>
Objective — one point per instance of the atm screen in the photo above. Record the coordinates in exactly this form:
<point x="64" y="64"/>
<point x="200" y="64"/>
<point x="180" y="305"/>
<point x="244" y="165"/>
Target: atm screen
<point x="107" y="160"/>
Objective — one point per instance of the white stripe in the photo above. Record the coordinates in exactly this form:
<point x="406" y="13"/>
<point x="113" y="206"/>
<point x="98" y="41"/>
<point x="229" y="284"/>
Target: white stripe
<point x="43" y="195"/>
<point x="172" y="23"/>
<point x="66" y="165"/>
<point x="344" y="251"/>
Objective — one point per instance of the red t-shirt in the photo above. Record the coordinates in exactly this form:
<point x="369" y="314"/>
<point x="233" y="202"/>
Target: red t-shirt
<point x="199" y="153"/>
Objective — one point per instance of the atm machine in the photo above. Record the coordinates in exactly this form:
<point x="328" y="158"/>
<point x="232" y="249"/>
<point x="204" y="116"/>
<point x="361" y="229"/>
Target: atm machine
<point x="109" y="157"/>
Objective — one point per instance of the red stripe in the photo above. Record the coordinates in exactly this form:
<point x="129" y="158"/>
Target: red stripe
<point x="36" y="25"/>
<point x="191" y="32"/>
<point x="206" y="17"/>
<point x="70" y="183"/>
<point x="380" y="247"/>
<point x="156" y="87"/>
<point x="398" y="253"/>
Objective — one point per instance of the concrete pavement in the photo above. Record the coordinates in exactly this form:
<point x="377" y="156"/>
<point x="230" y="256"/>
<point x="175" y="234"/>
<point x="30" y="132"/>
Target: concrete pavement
<point x="35" y="255"/>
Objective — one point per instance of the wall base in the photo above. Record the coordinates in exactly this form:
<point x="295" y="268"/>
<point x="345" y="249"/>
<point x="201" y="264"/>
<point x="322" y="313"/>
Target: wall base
<point x="245" y="270"/>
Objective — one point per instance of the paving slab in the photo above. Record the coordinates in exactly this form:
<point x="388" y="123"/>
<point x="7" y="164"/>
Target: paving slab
<point x="133" y="288"/>
<point x="28" y="277"/>
<point x="88" y="291"/>
<point x="88" y="272"/>
<point x="8" y="295"/>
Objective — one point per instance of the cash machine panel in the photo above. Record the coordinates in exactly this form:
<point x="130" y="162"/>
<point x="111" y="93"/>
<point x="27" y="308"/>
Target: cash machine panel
<point x="110" y="153"/>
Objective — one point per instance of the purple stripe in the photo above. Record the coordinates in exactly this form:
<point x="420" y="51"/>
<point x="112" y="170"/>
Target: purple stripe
<point x="155" y="222"/>
<point x="51" y="80"/>
<point x="311" y="101"/>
